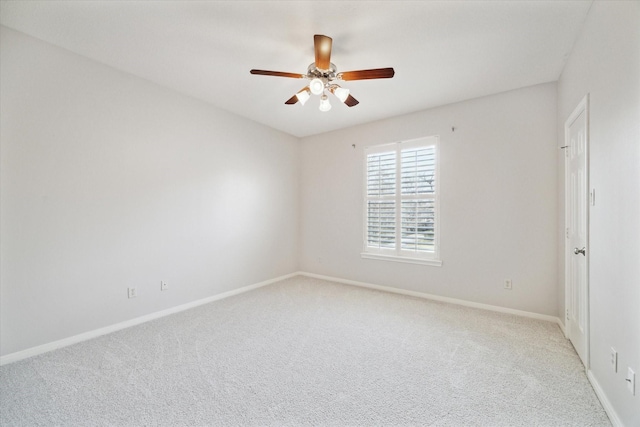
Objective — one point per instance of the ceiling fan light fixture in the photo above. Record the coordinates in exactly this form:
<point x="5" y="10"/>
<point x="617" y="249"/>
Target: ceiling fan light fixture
<point x="325" y="105"/>
<point x="303" y="96"/>
<point x="316" y="86"/>
<point x="323" y="76"/>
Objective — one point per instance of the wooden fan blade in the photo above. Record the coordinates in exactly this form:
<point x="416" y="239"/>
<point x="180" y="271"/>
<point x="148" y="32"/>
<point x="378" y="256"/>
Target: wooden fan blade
<point x="322" y="46"/>
<point x="292" y="100"/>
<point x="277" y="74"/>
<point x="351" y="101"/>
<point x="376" y="73"/>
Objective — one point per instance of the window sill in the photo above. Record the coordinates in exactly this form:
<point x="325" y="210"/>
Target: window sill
<point x="422" y="261"/>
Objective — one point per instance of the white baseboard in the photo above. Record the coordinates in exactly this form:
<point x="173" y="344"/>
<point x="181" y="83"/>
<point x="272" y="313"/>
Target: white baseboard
<point x="436" y="298"/>
<point x="608" y="407"/>
<point x="561" y="326"/>
<point x="34" y="351"/>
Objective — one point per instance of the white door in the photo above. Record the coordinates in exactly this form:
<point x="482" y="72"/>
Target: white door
<point x="577" y="256"/>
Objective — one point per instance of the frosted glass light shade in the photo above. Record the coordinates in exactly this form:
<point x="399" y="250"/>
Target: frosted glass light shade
<point x="316" y="86"/>
<point x="324" y="103"/>
<point x="303" y="96"/>
<point x="341" y="93"/>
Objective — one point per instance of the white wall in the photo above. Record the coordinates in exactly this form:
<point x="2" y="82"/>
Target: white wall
<point x="109" y="181"/>
<point x="498" y="201"/>
<point x="605" y="63"/>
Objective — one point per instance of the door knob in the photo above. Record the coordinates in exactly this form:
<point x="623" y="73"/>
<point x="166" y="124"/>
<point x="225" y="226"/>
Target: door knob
<point x="579" y="251"/>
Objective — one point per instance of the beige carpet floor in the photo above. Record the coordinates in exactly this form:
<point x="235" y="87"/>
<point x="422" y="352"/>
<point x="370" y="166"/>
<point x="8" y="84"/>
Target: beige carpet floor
<point x="310" y="352"/>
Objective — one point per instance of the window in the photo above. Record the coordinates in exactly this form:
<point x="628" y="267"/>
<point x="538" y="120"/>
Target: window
<point x="401" y="202"/>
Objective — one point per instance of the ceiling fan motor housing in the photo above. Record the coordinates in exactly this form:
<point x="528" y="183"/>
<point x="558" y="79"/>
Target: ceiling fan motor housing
<point x="326" y="76"/>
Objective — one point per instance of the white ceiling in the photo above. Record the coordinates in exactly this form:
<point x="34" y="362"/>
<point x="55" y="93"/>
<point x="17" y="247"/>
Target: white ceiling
<point x="442" y="51"/>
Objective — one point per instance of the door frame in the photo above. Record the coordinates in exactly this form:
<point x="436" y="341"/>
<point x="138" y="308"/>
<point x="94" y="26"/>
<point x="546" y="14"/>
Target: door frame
<point x="583" y="106"/>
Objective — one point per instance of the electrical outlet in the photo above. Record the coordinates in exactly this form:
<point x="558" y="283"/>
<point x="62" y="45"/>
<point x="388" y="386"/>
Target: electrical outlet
<point x="164" y="286"/>
<point x="508" y="284"/>
<point x="132" y="292"/>
<point x="631" y="381"/>
<point x="614" y="359"/>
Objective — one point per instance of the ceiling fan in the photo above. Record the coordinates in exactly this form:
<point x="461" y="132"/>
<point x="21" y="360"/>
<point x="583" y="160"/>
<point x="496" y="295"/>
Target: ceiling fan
<point x="323" y="76"/>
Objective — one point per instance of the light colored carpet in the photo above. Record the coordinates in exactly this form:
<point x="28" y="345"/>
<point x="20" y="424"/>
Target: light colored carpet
<point x="310" y="352"/>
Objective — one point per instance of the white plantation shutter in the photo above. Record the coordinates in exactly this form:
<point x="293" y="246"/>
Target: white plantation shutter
<point x="381" y="179"/>
<point x="418" y="223"/>
<point x="381" y="203"/>
<point x="381" y="224"/>
<point x="401" y="199"/>
<point x="418" y="169"/>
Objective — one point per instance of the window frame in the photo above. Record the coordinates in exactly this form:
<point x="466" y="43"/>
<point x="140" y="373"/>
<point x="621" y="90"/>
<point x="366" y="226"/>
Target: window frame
<point x="398" y="254"/>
